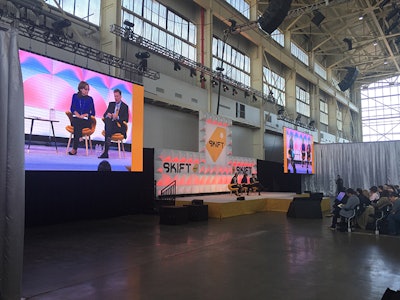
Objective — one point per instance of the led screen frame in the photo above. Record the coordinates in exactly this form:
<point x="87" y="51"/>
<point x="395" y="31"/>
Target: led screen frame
<point x="298" y="152"/>
<point x="48" y="88"/>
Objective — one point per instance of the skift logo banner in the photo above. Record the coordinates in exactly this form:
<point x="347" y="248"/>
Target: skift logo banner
<point x="215" y="139"/>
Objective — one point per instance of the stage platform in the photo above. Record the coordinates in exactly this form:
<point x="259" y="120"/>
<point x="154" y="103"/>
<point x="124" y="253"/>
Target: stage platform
<point x="226" y="205"/>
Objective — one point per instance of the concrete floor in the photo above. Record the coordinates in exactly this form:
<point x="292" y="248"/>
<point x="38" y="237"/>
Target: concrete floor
<point x="259" y="256"/>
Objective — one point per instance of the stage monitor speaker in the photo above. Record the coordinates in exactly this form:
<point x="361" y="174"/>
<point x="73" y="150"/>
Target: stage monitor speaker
<point x="318" y="18"/>
<point x="274" y="15"/>
<point x="351" y="76"/>
<point x="241" y="198"/>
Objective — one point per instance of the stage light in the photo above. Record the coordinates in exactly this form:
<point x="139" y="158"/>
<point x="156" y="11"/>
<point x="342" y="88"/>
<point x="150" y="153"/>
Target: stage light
<point x="177" y="67"/>
<point x="143" y="65"/>
<point x="349" y="43"/>
<point x="128" y="24"/>
<point x="202" y="78"/>
<point x="255" y="98"/>
<point x="214" y="82"/>
<point x="59" y="25"/>
<point x="281" y="111"/>
<point x="246" y="94"/>
<point x="193" y="72"/>
<point x="298" y="118"/>
<point x="142" y="55"/>
<point x="312" y="123"/>
<point x="225" y="87"/>
<point x="234" y="92"/>
<point x="220" y="69"/>
<point x="270" y="97"/>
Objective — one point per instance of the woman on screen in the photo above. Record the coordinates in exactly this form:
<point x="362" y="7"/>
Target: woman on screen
<point x="82" y="108"/>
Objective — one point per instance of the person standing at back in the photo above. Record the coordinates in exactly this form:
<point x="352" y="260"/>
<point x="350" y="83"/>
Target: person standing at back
<point x="339" y="185"/>
<point x="115" y="117"/>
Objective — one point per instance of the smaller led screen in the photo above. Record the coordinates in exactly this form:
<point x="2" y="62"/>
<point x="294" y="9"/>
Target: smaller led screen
<point x="298" y="152"/>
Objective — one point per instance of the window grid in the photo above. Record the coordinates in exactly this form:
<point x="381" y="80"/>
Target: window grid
<point x="86" y="10"/>
<point x="236" y="65"/>
<point x="303" y="102"/>
<point x="339" y="120"/>
<point x="276" y="83"/>
<point x="323" y="114"/>
<point x="380" y="104"/>
<point x="320" y="71"/>
<point x="278" y="37"/>
<point x="241" y="6"/>
<point x="299" y="53"/>
<point x="160" y="25"/>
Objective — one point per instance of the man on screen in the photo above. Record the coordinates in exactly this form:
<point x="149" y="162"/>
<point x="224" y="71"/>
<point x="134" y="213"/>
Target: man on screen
<point x="115" y="120"/>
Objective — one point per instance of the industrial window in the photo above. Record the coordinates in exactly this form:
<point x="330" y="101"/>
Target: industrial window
<point x="87" y="10"/>
<point x="302" y="102"/>
<point x="275" y="83"/>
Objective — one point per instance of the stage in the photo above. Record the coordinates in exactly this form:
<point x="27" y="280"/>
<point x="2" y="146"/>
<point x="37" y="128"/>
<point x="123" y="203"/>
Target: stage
<point x="225" y="205"/>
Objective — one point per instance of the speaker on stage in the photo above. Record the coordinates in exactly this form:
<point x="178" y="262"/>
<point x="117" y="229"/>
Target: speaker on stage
<point x="274" y="15"/>
<point x="348" y="80"/>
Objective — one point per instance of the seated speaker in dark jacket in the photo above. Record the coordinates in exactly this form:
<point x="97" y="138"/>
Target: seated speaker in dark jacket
<point x="115" y="117"/>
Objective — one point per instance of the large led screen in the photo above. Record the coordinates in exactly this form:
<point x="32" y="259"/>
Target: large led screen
<point x="298" y="153"/>
<point x="48" y="88"/>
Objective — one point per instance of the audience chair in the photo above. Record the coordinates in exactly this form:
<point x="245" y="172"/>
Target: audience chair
<point x="119" y="139"/>
<point x="86" y="132"/>
<point x="356" y="212"/>
<point x="380" y="215"/>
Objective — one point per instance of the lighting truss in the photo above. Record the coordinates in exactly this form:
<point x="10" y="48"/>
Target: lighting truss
<point x="47" y="36"/>
<point x="127" y="34"/>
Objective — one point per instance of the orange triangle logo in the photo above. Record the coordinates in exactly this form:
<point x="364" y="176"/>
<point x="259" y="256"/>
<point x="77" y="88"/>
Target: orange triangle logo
<point x="216" y="143"/>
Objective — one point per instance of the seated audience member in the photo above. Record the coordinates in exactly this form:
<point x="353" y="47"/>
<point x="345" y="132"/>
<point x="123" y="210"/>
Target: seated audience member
<point x="394" y="216"/>
<point x="234" y="185"/>
<point x="367" y="217"/>
<point x="255" y="184"/>
<point x="364" y="200"/>
<point x="383" y="190"/>
<point x="345" y="210"/>
<point x="104" y="166"/>
<point x="373" y="194"/>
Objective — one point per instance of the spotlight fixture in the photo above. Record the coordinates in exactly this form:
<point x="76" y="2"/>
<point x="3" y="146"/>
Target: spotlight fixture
<point x="246" y="94"/>
<point x="281" y="111"/>
<point x="202" y="78"/>
<point x="270" y="97"/>
<point x="375" y="43"/>
<point x="234" y="92"/>
<point x="128" y="23"/>
<point x="142" y="55"/>
<point x="385" y="62"/>
<point x="225" y="87"/>
<point x="143" y="65"/>
<point x="349" y="43"/>
<point x="361" y="17"/>
<point x="255" y="98"/>
<point x="214" y="82"/>
<point x="220" y="69"/>
<point x="193" y="72"/>
<point x="298" y="118"/>
<point x="312" y="123"/>
<point x="177" y="67"/>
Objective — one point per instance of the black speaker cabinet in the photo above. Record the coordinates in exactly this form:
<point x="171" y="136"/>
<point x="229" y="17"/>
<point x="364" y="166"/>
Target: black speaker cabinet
<point x="348" y="80"/>
<point x="198" y="212"/>
<point x="318" y="18"/>
<point x="274" y="15"/>
<point x="304" y="207"/>
<point x="174" y="215"/>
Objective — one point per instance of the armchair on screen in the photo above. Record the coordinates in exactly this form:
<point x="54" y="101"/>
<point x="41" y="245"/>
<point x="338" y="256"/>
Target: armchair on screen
<point x="86" y="132"/>
<point x="119" y="138"/>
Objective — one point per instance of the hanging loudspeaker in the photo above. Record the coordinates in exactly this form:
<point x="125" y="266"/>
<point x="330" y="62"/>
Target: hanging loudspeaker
<point x="274" y="15"/>
<point x="349" y="79"/>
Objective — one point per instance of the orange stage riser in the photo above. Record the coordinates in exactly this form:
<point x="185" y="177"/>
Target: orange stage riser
<point x="231" y="207"/>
